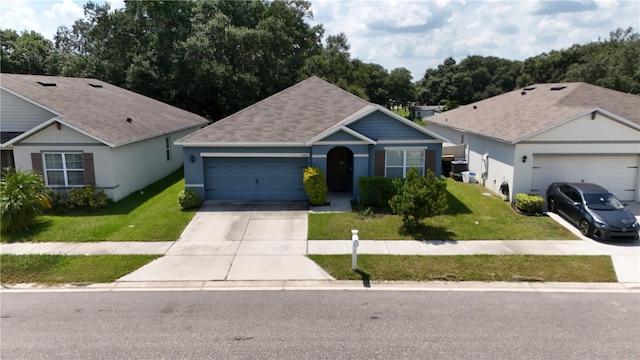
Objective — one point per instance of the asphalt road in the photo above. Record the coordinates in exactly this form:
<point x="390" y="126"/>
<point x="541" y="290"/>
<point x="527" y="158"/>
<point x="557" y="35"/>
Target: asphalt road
<point x="320" y="325"/>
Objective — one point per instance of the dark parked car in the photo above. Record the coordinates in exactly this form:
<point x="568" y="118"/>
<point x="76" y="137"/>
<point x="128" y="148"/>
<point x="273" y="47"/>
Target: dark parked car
<point x="595" y="211"/>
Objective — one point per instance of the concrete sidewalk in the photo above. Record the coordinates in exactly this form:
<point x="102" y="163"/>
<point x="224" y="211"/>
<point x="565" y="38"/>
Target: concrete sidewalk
<point x="626" y="259"/>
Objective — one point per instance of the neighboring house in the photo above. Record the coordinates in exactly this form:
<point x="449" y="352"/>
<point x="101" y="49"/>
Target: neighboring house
<point x="77" y="131"/>
<point x="259" y="153"/>
<point x="422" y="111"/>
<point x="531" y="137"/>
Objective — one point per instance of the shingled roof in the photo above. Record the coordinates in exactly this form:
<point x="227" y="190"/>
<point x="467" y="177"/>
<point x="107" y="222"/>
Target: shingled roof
<point x="293" y="116"/>
<point x="101" y="110"/>
<point x="516" y="115"/>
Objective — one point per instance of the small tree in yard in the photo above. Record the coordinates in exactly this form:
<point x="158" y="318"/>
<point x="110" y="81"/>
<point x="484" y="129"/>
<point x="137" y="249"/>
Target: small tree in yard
<point x="418" y="197"/>
<point x="23" y="196"/>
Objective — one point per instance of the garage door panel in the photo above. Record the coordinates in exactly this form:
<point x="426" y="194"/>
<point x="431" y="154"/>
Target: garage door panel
<point x="618" y="174"/>
<point x="254" y="178"/>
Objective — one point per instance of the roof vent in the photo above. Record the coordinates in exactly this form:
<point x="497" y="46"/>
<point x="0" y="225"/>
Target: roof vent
<point x="95" y="85"/>
<point x="523" y="93"/>
<point x="46" y="83"/>
<point x="474" y="107"/>
<point x="557" y="88"/>
<point x="129" y="120"/>
<point x="529" y="88"/>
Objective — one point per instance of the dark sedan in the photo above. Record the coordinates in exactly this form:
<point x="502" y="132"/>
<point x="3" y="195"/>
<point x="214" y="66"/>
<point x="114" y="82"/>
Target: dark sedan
<point x="595" y="211"/>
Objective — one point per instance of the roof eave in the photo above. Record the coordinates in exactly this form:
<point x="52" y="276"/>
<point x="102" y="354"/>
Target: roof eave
<point x="239" y="144"/>
<point x="31" y="101"/>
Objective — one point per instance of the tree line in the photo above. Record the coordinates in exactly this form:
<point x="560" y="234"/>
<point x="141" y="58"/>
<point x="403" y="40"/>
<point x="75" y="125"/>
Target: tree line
<point x="216" y="57"/>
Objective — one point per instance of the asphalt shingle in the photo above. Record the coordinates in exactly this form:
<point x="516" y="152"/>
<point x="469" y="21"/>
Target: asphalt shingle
<point x="102" y="110"/>
<point x="520" y="113"/>
<point x="294" y="115"/>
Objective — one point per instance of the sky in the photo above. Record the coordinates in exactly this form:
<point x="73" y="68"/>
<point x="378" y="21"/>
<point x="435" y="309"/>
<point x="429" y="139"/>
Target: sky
<point x="414" y="34"/>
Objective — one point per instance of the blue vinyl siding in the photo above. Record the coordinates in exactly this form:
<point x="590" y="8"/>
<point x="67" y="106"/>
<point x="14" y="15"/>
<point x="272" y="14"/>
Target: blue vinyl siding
<point x="341" y="136"/>
<point x="379" y="126"/>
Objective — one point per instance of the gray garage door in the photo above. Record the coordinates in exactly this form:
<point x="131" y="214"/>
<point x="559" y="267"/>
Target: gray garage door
<point x="263" y="179"/>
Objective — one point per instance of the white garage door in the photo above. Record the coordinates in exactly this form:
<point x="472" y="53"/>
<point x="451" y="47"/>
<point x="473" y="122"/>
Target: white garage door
<point x="618" y="174"/>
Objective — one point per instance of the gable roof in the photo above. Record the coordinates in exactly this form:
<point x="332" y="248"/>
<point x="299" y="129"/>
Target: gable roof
<point x="519" y="114"/>
<point x="98" y="109"/>
<point x="296" y="116"/>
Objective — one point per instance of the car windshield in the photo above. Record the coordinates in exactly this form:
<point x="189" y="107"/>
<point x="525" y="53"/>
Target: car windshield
<point x="603" y="202"/>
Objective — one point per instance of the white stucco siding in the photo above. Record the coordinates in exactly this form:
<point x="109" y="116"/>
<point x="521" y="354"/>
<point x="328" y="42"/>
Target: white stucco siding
<point x="450" y="134"/>
<point x="18" y="115"/>
<point x="493" y="158"/>
<point x="601" y="128"/>
<point x="142" y="163"/>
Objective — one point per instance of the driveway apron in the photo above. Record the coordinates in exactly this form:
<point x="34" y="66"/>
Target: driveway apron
<point x="238" y="241"/>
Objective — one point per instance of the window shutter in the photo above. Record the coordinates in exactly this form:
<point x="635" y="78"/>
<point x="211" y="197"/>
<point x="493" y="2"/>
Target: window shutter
<point x="430" y="160"/>
<point x="379" y="163"/>
<point x="36" y="163"/>
<point x="89" y="172"/>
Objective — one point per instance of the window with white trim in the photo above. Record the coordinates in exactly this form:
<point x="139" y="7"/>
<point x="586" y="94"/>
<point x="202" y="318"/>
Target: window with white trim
<point x="397" y="162"/>
<point x="167" y="145"/>
<point x="64" y="169"/>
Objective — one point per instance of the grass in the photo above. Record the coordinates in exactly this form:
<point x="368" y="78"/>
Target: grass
<point x="515" y="268"/>
<point x="60" y="269"/>
<point x="152" y="214"/>
<point x="470" y="216"/>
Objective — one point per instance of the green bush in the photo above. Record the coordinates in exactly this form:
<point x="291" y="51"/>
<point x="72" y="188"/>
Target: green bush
<point x="375" y="191"/>
<point x="189" y="199"/>
<point x="315" y="185"/>
<point x="418" y="197"/>
<point x="23" y="197"/>
<point x="529" y="203"/>
<point x="85" y="197"/>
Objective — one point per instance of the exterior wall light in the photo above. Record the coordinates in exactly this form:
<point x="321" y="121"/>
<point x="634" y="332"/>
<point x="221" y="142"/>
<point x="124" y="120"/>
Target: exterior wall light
<point x="524" y="158"/>
<point x="192" y="158"/>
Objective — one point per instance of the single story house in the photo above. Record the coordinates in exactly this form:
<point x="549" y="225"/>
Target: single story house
<point x="260" y="152"/>
<point x="77" y="131"/>
<point x="531" y="137"/>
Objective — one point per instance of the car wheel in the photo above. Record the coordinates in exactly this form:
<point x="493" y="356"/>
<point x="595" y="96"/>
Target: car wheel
<point x="551" y="204"/>
<point x="584" y="227"/>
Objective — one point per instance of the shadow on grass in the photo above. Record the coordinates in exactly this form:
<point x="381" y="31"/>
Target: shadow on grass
<point x="365" y="278"/>
<point x="456" y="206"/>
<point x="26" y="235"/>
<point x="425" y="232"/>
<point x="131" y="202"/>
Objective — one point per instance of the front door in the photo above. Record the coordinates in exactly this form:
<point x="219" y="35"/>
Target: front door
<point x="339" y="169"/>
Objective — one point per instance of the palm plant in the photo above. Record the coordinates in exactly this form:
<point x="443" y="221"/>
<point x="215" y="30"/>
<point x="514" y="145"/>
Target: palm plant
<point x="23" y="197"/>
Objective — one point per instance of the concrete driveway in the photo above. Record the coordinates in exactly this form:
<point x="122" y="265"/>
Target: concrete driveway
<point x="238" y="241"/>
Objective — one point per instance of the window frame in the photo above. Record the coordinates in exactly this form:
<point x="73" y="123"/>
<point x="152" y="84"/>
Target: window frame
<point x="405" y="167"/>
<point x="65" y="171"/>
<point x="167" y="146"/>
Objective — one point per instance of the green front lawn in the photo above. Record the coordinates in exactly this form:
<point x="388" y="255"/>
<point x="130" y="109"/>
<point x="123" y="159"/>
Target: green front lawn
<point x="60" y="269"/>
<point x="152" y="214"/>
<point x="515" y="268"/>
<point x="472" y="215"/>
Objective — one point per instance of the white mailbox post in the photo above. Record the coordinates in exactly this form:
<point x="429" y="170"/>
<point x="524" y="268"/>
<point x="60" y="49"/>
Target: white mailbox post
<point x="355" y="243"/>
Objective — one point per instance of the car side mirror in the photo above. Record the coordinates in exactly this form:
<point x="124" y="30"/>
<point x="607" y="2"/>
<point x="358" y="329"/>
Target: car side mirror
<point x="577" y="204"/>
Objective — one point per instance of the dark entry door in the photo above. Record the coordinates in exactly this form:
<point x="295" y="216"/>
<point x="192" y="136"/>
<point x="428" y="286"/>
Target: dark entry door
<point x="339" y="169"/>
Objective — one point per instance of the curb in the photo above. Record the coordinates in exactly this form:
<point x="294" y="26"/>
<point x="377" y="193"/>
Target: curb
<point x="324" y="285"/>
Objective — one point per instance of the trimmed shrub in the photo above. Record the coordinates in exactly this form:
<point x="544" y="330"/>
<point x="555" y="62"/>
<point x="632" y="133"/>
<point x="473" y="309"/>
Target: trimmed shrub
<point x="529" y="203"/>
<point x="375" y="191"/>
<point x="315" y="185"/>
<point x="85" y="197"/>
<point x="418" y="197"/>
<point x="23" y="197"/>
<point x="189" y="199"/>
